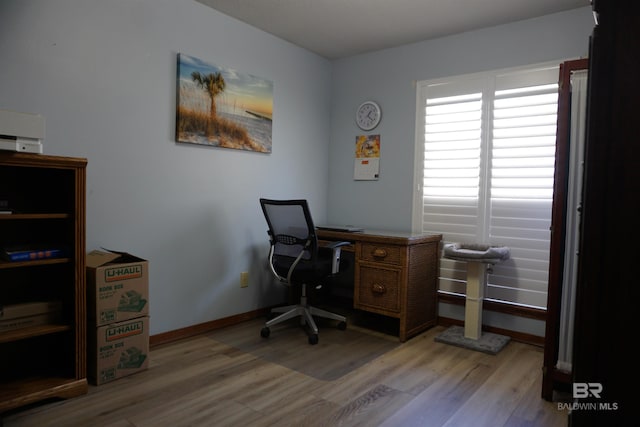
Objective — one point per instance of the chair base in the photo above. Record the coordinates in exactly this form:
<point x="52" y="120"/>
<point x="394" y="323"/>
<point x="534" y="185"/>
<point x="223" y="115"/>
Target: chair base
<point x="306" y="313"/>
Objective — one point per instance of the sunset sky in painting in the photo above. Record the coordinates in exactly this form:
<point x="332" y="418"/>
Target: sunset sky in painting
<point x="243" y="91"/>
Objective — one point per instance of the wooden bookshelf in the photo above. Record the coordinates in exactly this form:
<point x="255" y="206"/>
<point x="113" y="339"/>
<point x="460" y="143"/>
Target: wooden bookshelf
<point x="46" y="195"/>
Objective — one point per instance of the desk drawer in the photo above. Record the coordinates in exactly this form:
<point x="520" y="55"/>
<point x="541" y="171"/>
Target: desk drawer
<point x="378" y="288"/>
<point x="380" y="253"/>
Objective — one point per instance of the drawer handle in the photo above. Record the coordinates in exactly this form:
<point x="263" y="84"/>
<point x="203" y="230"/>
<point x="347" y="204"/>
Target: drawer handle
<point x="377" y="288"/>
<point x="379" y="253"/>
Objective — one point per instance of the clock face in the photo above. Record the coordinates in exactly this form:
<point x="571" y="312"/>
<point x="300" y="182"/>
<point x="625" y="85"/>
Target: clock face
<point x="368" y="115"/>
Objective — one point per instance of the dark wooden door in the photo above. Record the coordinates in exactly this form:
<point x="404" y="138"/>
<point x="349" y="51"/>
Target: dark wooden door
<point x="608" y="287"/>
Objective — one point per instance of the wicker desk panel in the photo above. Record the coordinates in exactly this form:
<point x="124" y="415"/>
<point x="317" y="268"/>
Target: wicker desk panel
<point x="395" y="275"/>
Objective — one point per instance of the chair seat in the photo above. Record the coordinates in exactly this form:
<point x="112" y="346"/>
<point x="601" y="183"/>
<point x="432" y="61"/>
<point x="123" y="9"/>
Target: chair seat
<point x="304" y="272"/>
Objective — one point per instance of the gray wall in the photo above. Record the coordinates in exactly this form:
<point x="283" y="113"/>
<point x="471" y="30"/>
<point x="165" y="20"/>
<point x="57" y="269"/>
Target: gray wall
<point x="103" y="73"/>
<point x="389" y="76"/>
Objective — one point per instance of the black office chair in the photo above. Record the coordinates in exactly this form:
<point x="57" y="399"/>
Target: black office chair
<point x="296" y="260"/>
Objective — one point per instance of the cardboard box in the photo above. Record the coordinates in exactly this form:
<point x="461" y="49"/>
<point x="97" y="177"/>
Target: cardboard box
<point x="117" y="287"/>
<point x="118" y="349"/>
<point x="16" y="316"/>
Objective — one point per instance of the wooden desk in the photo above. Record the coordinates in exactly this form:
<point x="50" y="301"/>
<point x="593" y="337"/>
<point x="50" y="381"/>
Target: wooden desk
<point x="396" y="275"/>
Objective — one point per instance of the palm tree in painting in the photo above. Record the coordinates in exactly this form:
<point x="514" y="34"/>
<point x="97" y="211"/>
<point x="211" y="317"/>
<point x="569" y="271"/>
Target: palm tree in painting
<point x="213" y="84"/>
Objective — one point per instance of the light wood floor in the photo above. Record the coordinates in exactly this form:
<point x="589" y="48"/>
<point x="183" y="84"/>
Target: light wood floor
<point x="201" y="381"/>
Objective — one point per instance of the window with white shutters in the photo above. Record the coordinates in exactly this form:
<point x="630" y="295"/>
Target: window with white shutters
<point x="487" y="149"/>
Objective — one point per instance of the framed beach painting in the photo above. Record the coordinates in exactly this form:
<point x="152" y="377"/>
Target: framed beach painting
<point x="221" y="107"/>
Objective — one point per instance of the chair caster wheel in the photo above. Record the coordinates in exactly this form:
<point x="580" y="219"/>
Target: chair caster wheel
<point x="342" y="326"/>
<point x="264" y="332"/>
<point x="313" y="339"/>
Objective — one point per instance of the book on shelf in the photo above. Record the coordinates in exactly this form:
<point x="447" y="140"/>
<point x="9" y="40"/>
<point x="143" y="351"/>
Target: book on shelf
<point x="28" y="253"/>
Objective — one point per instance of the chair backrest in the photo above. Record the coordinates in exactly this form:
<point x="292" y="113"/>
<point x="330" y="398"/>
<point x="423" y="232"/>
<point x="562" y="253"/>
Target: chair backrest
<point x="291" y="228"/>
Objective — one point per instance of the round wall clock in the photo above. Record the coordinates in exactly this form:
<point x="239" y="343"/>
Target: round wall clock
<point x="368" y="115"/>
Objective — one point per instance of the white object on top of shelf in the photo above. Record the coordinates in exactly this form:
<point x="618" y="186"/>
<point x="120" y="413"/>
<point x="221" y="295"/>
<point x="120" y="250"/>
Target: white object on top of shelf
<point x="21" y="131"/>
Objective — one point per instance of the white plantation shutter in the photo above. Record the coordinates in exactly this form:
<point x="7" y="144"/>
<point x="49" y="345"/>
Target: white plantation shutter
<point x="489" y="153"/>
<point x="451" y="180"/>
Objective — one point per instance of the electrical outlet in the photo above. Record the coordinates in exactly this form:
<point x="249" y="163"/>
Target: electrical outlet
<point x="244" y="279"/>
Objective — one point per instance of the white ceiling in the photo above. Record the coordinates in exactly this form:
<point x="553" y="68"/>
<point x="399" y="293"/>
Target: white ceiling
<point x="341" y="28"/>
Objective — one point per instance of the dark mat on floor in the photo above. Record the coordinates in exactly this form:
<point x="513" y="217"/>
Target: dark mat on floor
<point x="488" y="343"/>
<point x="336" y="354"/>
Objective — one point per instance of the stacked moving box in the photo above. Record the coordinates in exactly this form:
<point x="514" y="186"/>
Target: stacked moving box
<point x="118" y="314"/>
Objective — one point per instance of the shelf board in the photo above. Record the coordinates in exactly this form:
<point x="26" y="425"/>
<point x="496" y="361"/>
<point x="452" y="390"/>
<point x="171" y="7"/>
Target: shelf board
<point x="18" y="393"/>
<point x="18" y="264"/>
<point x="14" y="216"/>
<point x="31" y="331"/>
